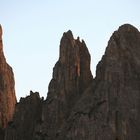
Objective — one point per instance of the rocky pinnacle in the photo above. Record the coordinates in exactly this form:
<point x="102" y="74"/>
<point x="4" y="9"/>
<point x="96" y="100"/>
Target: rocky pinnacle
<point x="7" y="89"/>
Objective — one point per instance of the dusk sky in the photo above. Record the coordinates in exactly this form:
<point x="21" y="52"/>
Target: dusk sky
<point x="32" y="30"/>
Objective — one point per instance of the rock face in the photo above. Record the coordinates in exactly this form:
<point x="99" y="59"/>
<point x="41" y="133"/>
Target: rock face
<point x="79" y="107"/>
<point x="27" y="116"/>
<point x="110" y="108"/>
<point x="7" y="90"/>
<point x="71" y="76"/>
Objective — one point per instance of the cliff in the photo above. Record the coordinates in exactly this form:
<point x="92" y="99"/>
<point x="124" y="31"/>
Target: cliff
<point x="71" y="77"/>
<point x="79" y="107"/>
<point x="7" y="90"/>
<point x="109" y="109"/>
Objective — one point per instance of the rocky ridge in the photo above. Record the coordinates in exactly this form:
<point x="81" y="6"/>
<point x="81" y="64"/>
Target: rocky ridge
<point x="80" y="107"/>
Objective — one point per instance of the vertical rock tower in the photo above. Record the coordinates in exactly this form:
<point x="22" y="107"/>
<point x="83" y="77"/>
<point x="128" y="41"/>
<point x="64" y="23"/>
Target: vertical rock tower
<point x="71" y="77"/>
<point x="7" y="90"/>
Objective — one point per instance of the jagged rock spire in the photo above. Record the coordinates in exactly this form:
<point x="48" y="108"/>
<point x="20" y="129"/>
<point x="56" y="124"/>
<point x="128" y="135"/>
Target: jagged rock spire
<point x="71" y="75"/>
<point x="7" y="89"/>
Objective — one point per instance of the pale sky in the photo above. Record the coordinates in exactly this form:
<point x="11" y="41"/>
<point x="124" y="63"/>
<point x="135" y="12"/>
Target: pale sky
<point x="33" y="29"/>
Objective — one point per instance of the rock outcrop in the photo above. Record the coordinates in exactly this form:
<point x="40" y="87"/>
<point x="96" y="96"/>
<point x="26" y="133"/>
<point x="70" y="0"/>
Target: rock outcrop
<point x="79" y="107"/>
<point x="71" y="76"/>
<point x="27" y="116"/>
<point x="110" y="108"/>
<point x="7" y="90"/>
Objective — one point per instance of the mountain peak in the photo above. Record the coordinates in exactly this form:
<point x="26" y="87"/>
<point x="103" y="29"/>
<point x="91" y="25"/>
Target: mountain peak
<point x="74" y="60"/>
<point x="68" y="34"/>
<point x="125" y="33"/>
<point x="127" y="28"/>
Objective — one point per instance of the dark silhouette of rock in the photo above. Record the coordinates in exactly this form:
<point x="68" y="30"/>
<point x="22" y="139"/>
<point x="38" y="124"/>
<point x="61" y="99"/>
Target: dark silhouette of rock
<point x="7" y="90"/>
<point x="27" y="116"/>
<point x="79" y="107"/>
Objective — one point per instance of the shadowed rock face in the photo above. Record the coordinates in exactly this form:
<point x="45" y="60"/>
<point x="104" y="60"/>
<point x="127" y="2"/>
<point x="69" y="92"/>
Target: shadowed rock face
<point x="71" y="76"/>
<point x="27" y="116"/>
<point x="7" y="90"/>
<point x="80" y="108"/>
